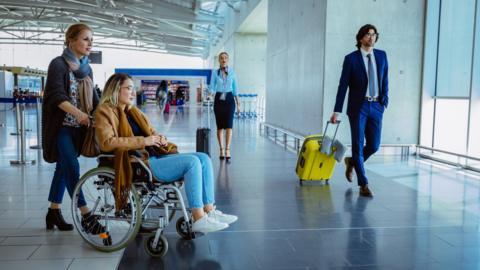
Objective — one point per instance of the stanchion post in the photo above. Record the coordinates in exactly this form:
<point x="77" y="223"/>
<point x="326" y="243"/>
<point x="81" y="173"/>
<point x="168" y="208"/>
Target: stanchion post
<point x="23" y="141"/>
<point x="17" y="119"/>
<point x="39" y="125"/>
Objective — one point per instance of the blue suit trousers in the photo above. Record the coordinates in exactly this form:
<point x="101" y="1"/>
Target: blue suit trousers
<point x="365" y="127"/>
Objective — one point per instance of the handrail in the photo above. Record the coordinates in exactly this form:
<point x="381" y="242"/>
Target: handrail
<point x="447" y="152"/>
<point x="297" y="136"/>
<point x="405" y="148"/>
<point x="298" y="139"/>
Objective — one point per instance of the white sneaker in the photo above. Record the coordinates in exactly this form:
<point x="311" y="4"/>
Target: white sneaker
<point x="207" y="224"/>
<point x="221" y="217"/>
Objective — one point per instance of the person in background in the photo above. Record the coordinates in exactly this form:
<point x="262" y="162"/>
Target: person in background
<point x="97" y="90"/>
<point x="224" y="84"/>
<point x="365" y="74"/>
<point x="162" y="95"/>
<point x="69" y="99"/>
<point x="140" y="96"/>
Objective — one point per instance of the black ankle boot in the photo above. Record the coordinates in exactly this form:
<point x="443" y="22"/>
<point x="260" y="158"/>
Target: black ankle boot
<point x="54" y="218"/>
<point x="91" y="225"/>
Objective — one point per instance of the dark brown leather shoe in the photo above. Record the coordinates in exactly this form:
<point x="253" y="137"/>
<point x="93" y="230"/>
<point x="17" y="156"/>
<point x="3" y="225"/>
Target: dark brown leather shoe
<point x="349" y="169"/>
<point x="365" y="191"/>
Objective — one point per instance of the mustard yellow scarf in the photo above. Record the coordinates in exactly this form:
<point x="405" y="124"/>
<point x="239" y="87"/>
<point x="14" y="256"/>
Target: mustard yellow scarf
<point x="122" y="163"/>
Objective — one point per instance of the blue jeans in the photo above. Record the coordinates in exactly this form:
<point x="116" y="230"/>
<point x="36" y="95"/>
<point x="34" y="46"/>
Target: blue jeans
<point x="67" y="169"/>
<point x="366" y="126"/>
<point x="196" y="170"/>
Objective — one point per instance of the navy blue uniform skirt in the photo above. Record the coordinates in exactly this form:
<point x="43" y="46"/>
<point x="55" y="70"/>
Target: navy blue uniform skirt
<point x="224" y="110"/>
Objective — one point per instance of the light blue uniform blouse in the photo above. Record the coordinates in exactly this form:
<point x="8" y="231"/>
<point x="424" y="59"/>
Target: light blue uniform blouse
<point x="218" y="84"/>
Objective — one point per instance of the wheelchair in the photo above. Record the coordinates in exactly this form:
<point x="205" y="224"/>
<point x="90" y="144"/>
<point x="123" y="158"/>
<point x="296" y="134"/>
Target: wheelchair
<point x="146" y="196"/>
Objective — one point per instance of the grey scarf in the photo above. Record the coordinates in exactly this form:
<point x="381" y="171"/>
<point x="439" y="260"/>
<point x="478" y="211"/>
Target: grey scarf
<point x="81" y="69"/>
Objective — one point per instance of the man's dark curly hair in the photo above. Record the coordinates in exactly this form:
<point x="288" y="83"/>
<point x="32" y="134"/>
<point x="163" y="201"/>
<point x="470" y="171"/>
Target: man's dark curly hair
<point x="363" y="31"/>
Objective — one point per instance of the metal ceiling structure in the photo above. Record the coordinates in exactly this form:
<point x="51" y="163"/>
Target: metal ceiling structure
<point x="183" y="27"/>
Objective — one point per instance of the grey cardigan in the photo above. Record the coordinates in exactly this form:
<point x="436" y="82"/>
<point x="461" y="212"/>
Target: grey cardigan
<point x="57" y="90"/>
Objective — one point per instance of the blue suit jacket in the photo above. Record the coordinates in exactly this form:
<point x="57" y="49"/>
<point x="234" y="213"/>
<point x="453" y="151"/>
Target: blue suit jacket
<point x="355" y="78"/>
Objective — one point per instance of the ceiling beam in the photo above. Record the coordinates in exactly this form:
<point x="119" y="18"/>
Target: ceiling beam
<point x="149" y="38"/>
<point x="168" y="49"/>
<point x="156" y="10"/>
<point x="183" y="26"/>
<point x="106" y="28"/>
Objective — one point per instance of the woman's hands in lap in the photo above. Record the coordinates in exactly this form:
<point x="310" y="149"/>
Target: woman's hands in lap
<point x="156" y="140"/>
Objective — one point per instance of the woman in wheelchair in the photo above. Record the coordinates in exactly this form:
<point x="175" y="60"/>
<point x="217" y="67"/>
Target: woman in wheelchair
<point x="122" y="127"/>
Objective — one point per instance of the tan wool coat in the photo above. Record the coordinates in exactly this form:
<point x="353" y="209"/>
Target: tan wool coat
<point x="107" y="129"/>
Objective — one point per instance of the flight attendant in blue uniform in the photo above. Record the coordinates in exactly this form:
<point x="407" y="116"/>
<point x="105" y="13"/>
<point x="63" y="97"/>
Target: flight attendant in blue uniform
<point x="365" y="74"/>
<point x="224" y="84"/>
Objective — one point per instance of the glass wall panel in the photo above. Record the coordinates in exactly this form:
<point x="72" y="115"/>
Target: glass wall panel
<point x="457" y="19"/>
<point x="429" y="72"/>
<point x="451" y="120"/>
<point x="452" y="45"/>
<point x="474" y="141"/>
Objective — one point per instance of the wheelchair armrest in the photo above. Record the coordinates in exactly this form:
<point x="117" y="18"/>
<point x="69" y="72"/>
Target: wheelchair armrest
<point x="105" y="155"/>
<point x="137" y="153"/>
<point x="136" y="156"/>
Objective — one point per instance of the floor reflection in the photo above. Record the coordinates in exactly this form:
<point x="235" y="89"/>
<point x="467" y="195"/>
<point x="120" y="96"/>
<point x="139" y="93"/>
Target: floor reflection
<point x="359" y="227"/>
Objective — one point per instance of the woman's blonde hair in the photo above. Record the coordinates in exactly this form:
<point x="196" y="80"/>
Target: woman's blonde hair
<point x="220" y="54"/>
<point x="112" y="88"/>
<point x="74" y="30"/>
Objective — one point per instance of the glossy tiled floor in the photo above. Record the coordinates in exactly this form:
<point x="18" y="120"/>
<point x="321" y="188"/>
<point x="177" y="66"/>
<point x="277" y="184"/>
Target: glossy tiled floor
<point x="424" y="215"/>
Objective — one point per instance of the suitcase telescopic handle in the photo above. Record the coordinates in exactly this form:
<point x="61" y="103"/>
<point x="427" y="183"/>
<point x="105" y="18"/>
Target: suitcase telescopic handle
<point x="208" y="113"/>
<point x="337" y="123"/>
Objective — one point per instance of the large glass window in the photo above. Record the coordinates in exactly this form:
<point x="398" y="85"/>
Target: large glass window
<point x="451" y="111"/>
<point x="451" y="121"/>
<point x="474" y="141"/>
<point x="457" y="20"/>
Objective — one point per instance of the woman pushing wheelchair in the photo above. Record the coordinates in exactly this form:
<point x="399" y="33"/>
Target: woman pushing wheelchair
<point x="121" y="127"/>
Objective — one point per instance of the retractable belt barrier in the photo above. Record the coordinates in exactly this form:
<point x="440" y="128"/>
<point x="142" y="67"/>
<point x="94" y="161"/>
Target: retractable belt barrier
<point x="248" y="106"/>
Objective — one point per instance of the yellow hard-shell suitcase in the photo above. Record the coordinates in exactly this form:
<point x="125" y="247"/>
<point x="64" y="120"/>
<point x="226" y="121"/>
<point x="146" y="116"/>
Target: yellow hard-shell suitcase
<point x="312" y="164"/>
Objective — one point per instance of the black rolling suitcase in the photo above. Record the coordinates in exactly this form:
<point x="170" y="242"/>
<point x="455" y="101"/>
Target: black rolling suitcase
<point x="203" y="140"/>
<point x="203" y="136"/>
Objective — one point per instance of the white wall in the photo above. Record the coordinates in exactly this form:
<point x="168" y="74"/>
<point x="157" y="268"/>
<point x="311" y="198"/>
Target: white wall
<point x="36" y="56"/>
<point x="295" y="64"/>
<point x="233" y="20"/>
<point x="250" y="64"/>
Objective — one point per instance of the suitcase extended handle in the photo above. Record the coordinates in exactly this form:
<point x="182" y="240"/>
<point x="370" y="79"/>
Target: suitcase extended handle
<point x="337" y="123"/>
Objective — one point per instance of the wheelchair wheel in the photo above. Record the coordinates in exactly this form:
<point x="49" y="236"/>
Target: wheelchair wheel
<point x="158" y="250"/>
<point x="116" y="227"/>
<point x="184" y="229"/>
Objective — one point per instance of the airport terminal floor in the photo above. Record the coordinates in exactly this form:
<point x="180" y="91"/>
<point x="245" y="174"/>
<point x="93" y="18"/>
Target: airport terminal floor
<point x="424" y="215"/>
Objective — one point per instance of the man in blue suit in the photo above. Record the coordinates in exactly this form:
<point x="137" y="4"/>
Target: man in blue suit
<point x="365" y="74"/>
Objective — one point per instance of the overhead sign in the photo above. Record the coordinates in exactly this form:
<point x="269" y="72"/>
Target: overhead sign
<point x="95" y="57"/>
